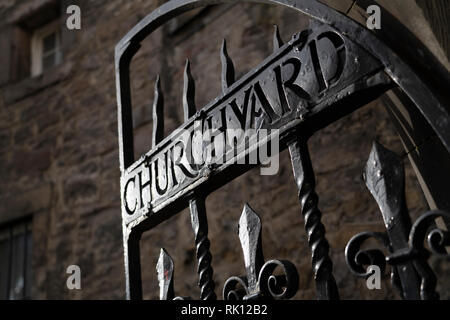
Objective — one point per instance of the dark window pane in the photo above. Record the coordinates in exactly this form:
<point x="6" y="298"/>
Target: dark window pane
<point x="49" y="43"/>
<point x="29" y="248"/>
<point x="17" y="275"/>
<point x="4" y="263"/>
<point x="48" y="61"/>
<point x="15" y="261"/>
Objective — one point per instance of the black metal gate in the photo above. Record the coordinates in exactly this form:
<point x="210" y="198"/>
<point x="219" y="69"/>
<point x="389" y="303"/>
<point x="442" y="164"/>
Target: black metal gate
<point x="341" y="67"/>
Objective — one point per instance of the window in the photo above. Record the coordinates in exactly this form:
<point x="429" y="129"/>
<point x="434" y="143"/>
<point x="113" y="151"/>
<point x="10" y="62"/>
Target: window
<point x="15" y="261"/>
<point x="45" y="48"/>
<point x="32" y="42"/>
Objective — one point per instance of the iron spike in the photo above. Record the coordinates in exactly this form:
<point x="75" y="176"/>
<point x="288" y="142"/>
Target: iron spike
<point x="158" y="114"/>
<point x="250" y="237"/>
<point x="188" y="92"/>
<point x="227" y="68"/>
<point x="385" y="179"/>
<point x="277" y="41"/>
<point x="165" y="268"/>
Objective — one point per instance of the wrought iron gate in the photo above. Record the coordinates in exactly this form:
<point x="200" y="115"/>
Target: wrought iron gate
<point x="320" y="75"/>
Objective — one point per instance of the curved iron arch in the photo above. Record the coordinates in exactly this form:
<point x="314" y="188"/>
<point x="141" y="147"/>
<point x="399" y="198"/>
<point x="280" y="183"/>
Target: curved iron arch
<point x="425" y="99"/>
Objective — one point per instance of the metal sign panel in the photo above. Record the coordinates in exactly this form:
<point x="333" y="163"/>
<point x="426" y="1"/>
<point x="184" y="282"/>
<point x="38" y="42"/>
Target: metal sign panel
<point x="300" y="81"/>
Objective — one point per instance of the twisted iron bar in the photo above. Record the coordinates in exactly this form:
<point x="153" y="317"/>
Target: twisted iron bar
<point x="204" y="268"/>
<point x="202" y="244"/>
<point x="315" y="230"/>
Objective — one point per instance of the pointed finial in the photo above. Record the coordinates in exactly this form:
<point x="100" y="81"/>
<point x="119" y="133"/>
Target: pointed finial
<point x="165" y="268"/>
<point x="277" y="41"/>
<point x="188" y="93"/>
<point x="250" y="236"/>
<point x="385" y="178"/>
<point x="158" y="114"/>
<point x="227" y="68"/>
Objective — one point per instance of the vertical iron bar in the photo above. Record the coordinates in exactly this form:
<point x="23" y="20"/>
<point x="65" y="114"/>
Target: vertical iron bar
<point x="200" y="227"/>
<point x="315" y="230"/>
<point x="398" y="234"/>
<point x="124" y="108"/>
<point x="132" y="265"/>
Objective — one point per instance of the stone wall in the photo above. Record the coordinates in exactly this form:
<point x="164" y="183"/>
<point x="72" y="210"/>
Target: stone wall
<point x="59" y="156"/>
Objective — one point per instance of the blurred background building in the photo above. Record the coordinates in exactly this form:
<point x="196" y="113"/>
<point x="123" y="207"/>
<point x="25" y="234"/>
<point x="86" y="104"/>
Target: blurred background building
<point x="59" y="165"/>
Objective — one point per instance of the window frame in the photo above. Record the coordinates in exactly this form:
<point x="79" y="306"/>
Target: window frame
<point x="11" y="229"/>
<point x="37" y="46"/>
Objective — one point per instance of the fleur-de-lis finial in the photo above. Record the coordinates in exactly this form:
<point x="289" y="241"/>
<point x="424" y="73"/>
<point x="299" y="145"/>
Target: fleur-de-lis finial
<point x="410" y="272"/>
<point x="260" y="282"/>
<point x="227" y="68"/>
<point x="165" y="276"/>
<point x="250" y="236"/>
<point x="158" y="114"/>
<point x="188" y="93"/>
<point x="385" y="178"/>
<point x="277" y="41"/>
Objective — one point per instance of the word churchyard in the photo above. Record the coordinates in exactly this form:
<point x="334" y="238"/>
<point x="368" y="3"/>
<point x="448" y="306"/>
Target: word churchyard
<point x="245" y="125"/>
